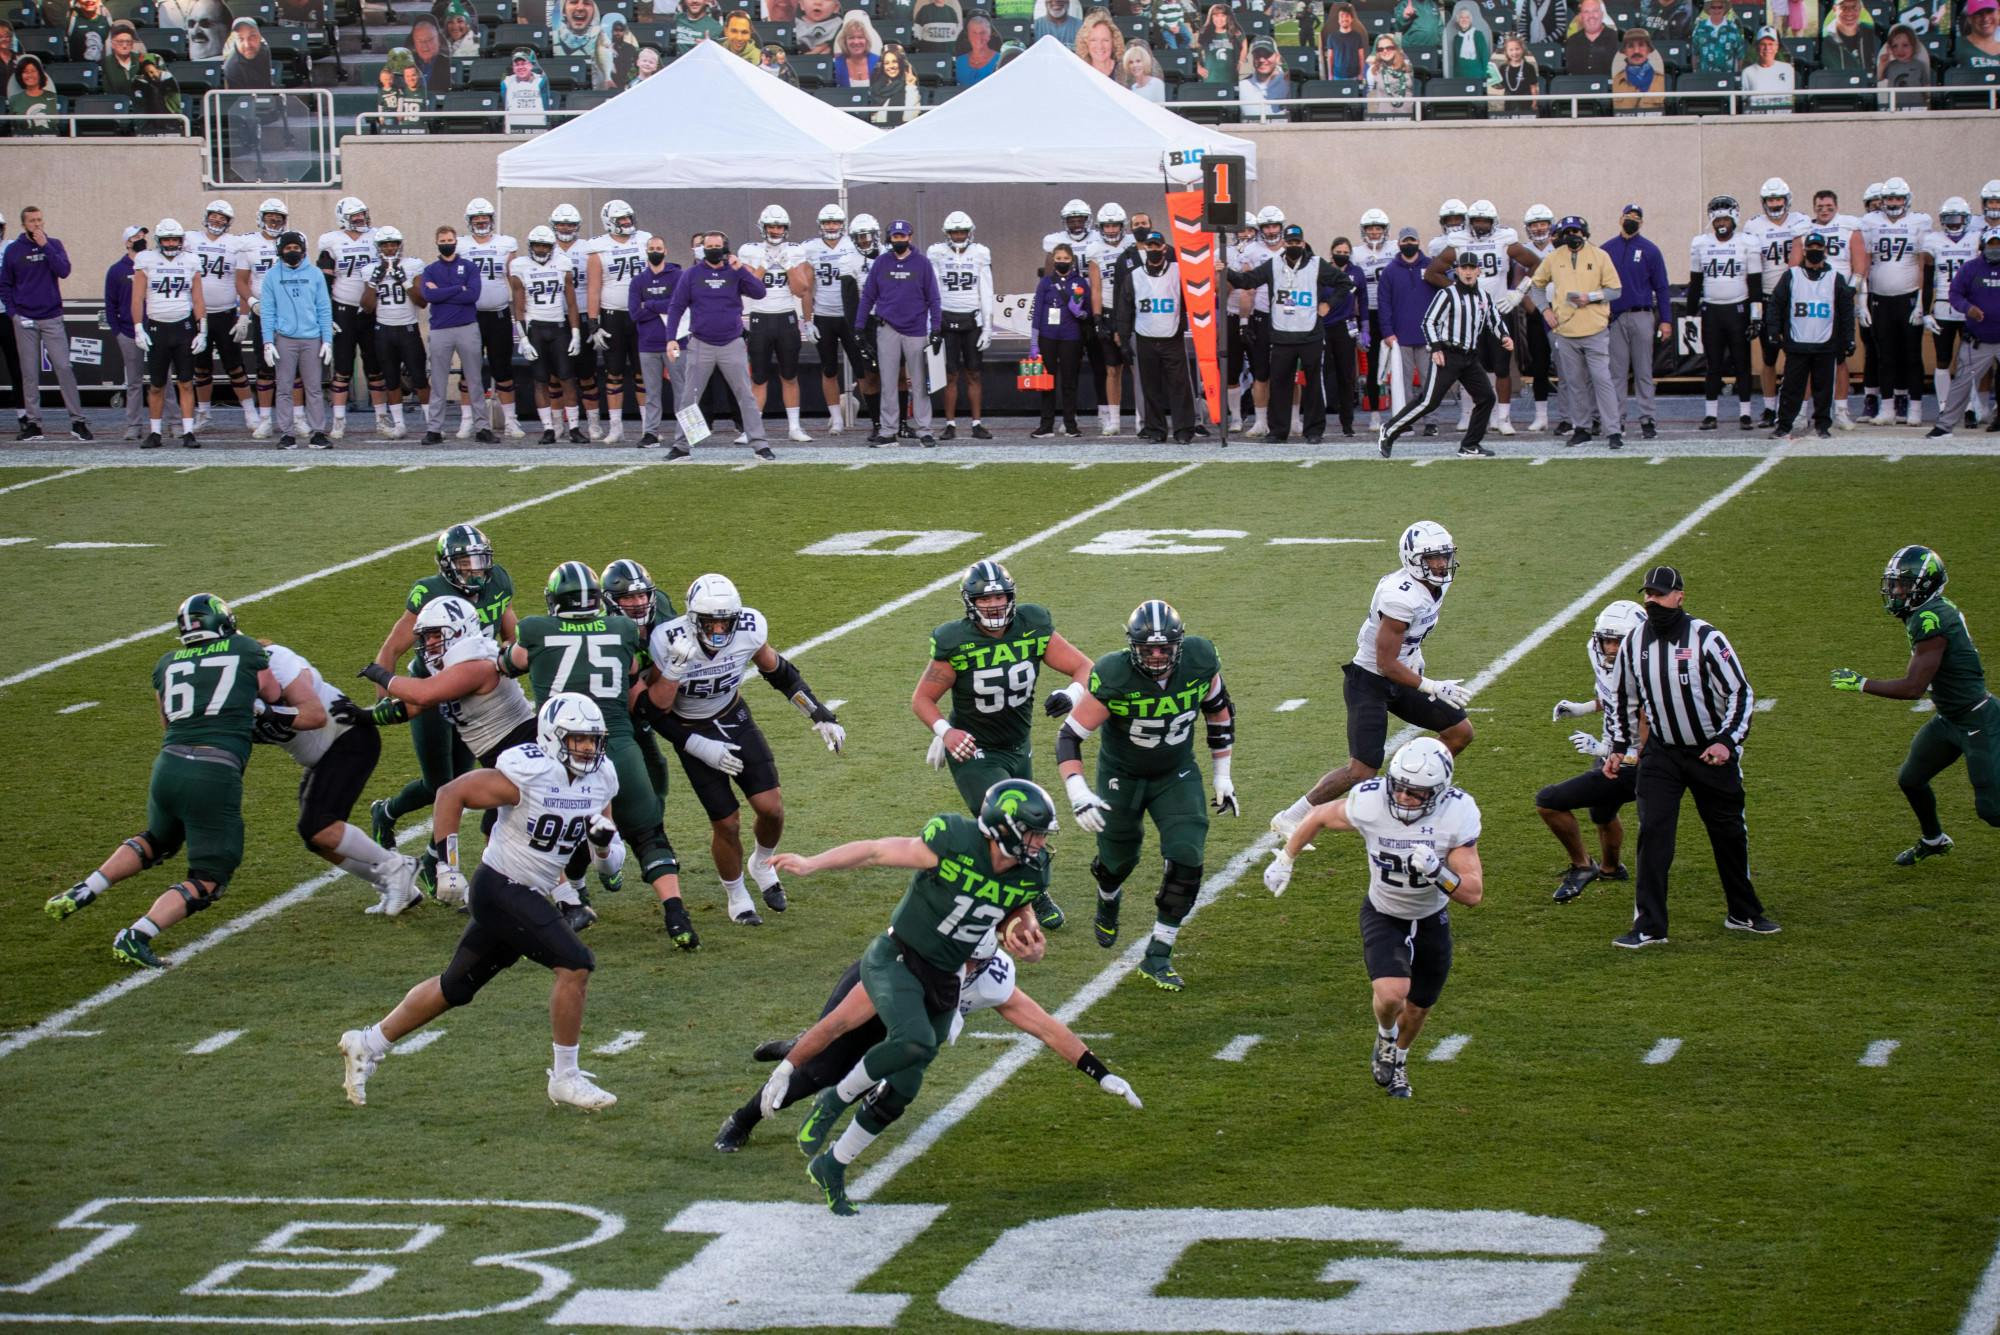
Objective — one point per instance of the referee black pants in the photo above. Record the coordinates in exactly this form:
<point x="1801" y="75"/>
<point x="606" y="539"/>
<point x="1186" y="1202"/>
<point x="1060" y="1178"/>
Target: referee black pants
<point x="1288" y="361"/>
<point x="1666" y="773"/>
<point x="1814" y="361"/>
<point x="1460" y="368"/>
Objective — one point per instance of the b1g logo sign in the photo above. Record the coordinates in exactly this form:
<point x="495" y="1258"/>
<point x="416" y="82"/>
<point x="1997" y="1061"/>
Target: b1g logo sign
<point x="324" y="1262"/>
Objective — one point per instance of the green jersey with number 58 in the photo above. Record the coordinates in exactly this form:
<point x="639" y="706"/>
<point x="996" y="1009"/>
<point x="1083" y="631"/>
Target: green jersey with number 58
<point x="949" y="908"/>
<point x="1151" y="729"/>
<point x="593" y="657"/>
<point x="993" y="698"/>
<point x="208" y="693"/>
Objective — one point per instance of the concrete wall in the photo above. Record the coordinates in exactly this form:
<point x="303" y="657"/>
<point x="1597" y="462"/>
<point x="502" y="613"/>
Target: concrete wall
<point x="1322" y="175"/>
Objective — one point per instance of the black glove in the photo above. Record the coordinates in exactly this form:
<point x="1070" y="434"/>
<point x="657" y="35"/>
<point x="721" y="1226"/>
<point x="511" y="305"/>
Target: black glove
<point x="1754" y="331"/>
<point x="1058" y="704"/>
<point x="1848" y="353"/>
<point x="389" y="710"/>
<point x="937" y="342"/>
<point x="277" y="725"/>
<point x="346" y="711"/>
<point x="378" y="674"/>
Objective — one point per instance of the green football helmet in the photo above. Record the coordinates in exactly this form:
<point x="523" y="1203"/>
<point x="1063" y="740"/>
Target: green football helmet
<point x="1012" y="813"/>
<point x="465" y="558"/>
<point x="1154" y="632"/>
<point x="986" y="579"/>
<point x="203" y="618"/>
<point x="630" y="588"/>
<point x="573" y="592"/>
<point x="1913" y="577"/>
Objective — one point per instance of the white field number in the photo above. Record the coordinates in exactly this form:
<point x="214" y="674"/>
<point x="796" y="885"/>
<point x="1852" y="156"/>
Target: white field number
<point x="882" y="542"/>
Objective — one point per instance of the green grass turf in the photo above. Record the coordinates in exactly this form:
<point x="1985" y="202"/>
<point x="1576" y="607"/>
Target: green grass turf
<point x="1759" y="1181"/>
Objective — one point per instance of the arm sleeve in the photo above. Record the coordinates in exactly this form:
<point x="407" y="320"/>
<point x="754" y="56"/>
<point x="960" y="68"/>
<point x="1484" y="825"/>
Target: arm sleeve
<point x="1618" y="724"/>
<point x="1719" y="659"/>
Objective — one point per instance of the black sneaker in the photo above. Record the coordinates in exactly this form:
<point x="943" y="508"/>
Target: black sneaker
<point x="649" y="441"/>
<point x="1708" y="424"/>
<point x="928" y="442"/>
<point x="1430" y="428"/>
<point x="1315" y="438"/>
<point x="678" y="453"/>
<point x="1971" y="420"/>
<point x="1578" y="437"/>
<point x="152" y="441"/>
<point x="1619" y="873"/>
<point x="1647" y="431"/>
<point x="1573" y="882"/>
<point x="1615" y="441"/>
<point x="433" y="438"/>
<point x="1924" y="848"/>
<point x="548" y="435"/>
<point x="1939" y="432"/>
<point x="288" y="442"/>
<point x="319" y="441"/>
<point x="485" y="436"/>
<point x="1637" y="940"/>
<point x="876" y="440"/>
<point x="950" y="431"/>
<point x="1479" y="451"/>
<point x="188" y="442"/>
<point x="906" y="431"/>
<point x="1042" y="433"/>
<point x="1821" y="433"/>
<point x="1070" y="431"/>
<point x="1768" y="419"/>
<point x="764" y="453"/>
<point x="679" y="928"/>
<point x="1993" y="422"/>
<point x="81" y="429"/>
<point x="979" y="432"/>
<point x="1760" y="924"/>
<point x="735" y="1133"/>
<point x="1746" y="423"/>
<point x="1382" y="441"/>
<point x="774" y="897"/>
<point x="578" y="436"/>
<point x="29" y="430"/>
<point x="1563" y="428"/>
<point x="1782" y="433"/>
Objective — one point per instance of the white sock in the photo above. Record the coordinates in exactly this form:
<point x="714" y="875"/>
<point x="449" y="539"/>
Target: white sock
<point x="567" y="893"/>
<point x="147" y="928"/>
<point x="760" y="867"/>
<point x="833" y="417"/>
<point x="187" y="426"/>
<point x="855" y="1083"/>
<point x="739" y="898"/>
<point x="376" y="1042"/>
<point x="565" y="1058"/>
<point x="1164" y="934"/>
<point x="98" y="882"/>
<point x="548" y="417"/>
<point x="1711" y="407"/>
<point x="852" y="1142"/>
<point x="1402" y="1054"/>
<point x="1299" y="810"/>
<point x="569" y="415"/>
<point x="340" y="412"/>
<point x="250" y="416"/>
<point x="357" y="848"/>
<point x="1263" y="419"/>
<point x="156" y="425"/>
<point x="396" y="415"/>
<point x="975" y="422"/>
<point x="792" y="418"/>
<point x="1380" y="1032"/>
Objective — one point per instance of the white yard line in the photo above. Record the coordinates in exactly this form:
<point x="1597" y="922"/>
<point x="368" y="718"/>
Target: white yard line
<point x="1448" y="1048"/>
<point x="1287" y="706"/>
<point x="215" y="1042"/>
<point x="1878" y="1052"/>
<point x="324" y="572"/>
<point x="967" y="1100"/>
<point x="1237" y="1048"/>
<point x="1765" y="704"/>
<point x="1982" y="1312"/>
<point x="52" y="477"/>
<point x="78" y="707"/>
<point x="1662" y="1052"/>
<point x="417" y="1043"/>
<point x="627" y="1040"/>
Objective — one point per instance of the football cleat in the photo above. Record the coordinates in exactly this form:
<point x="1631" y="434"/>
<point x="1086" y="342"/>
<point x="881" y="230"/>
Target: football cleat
<point x="773" y="1049"/>
<point x="548" y="435"/>
<point x="188" y="441"/>
<point x="1637" y="940"/>
<point x="1708" y="424"/>
<point x="1757" y="923"/>
<point x="514" y="431"/>
<point x="612" y="881"/>
<point x="817" y="1129"/>
<point x="679" y="928"/>
<point x="1909" y="857"/>
<point x="1382" y="1062"/>
<point x="69" y="901"/>
<point x="401" y="892"/>
<point x="465" y="426"/>
<point x="1282" y="825"/>
<point x="830" y="1175"/>
<point x="1573" y="882"/>
<point x="577" y="1089"/>
<point x="339" y="428"/>
<point x="80" y="429"/>
<point x="577" y="436"/>
<point x="765" y="454"/>
<point x="1399" y="1081"/>
<point x="1104" y="926"/>
<point x="1047" y="912"/>
<point x="735" y="1133"/>
<point x="359" y="1066"/>
<point x="151" y="442"/>
<point x="1617" y="873"/>
<point x="381" y="825"/>
<point x="128" y="947"/>
<point x="774" y="898"/>
<point x="1158" y="965"/>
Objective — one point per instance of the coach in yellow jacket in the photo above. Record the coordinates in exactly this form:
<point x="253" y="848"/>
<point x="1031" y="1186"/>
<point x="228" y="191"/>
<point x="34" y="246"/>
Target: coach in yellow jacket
<point x="1575" y="286"/>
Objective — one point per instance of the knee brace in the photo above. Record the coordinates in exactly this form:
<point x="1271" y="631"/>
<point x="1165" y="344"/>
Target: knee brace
<point x="1108" y="881"/>
<point x="1178" y="887"/>
<point x="656" y="853"/>
<point x="195" y="897"/>
<point x="464" y="976"/>
<point x="341" y="383"/>
<point x="204" y="376"/>
<point x="376" y="384"/>
<point x="884" y="1104"/>
<point x="143" y="845"/>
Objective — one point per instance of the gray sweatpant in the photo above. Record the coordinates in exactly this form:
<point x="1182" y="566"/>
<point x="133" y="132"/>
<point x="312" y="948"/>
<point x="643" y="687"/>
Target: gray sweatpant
<point x="699" y="360"/>
<point x="1584" y="367"/>
<point x="895" y="353"/>
<point x="1973" y="361"/>
<point x="298" y="360"/>
<point x="34" y="338"/>
<point x="463" y="341"/>
<point x="654" y="367"/>
<point x="135" y="383"/>
<point x="1633" y="337"/>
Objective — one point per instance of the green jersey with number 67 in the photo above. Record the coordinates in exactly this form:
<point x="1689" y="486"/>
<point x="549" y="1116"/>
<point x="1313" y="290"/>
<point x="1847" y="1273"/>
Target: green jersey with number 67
<point x="1960" y="684"/>
<point x="993" y="697"/>
<point x="208" y="693"/>
<point x="1151" y="729"/>
<point x="948" y="909"/>
<point x="592" y="656"/>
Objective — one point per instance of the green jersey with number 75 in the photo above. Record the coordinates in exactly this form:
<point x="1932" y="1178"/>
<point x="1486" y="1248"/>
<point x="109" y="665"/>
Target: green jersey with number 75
<point x="590" y="655"/>
<point x="1151" y="729"/>
<point x="949" y="908"/>
<point x="208" y="693"/>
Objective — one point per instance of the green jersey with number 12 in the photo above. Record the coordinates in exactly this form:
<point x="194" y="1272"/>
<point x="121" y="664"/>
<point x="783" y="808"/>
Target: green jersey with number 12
<point x="592" y="656"/>
<point x="208" y="693"/>
<point x="950" y="907"/>
<point x="993" y="698"/>
<point x="1151" y="729"/>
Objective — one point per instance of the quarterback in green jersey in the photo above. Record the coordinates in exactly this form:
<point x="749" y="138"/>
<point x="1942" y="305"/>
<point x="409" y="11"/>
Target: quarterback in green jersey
<point x="210" y="691"/>
<point x="1145" y="700"/>
<point x="1944" y="663"/>
<point x="970" y="877"/>
<point x="987" y="661"/>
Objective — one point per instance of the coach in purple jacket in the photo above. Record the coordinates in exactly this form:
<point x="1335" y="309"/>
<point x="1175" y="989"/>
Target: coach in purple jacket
<point x="451" y="291"/>
<point x="651" y="294"/>
<point x="31" y="272"/>
<point x="711" y="295"/>
<point x="1404" y="296"/>
<point x="902" y="293"/>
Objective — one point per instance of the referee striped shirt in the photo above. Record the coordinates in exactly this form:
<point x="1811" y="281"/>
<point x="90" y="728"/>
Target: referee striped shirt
<point x="1688" y="681"/>
<point x="1459" y="316"/>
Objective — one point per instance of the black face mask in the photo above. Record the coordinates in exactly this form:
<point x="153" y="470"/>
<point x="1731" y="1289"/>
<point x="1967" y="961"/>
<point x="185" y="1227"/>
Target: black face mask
<point x="1156" y="261"/>
<point x="138" y="245"/>
<point x="1630" y="227"/>
<point x="1815" y="260"/>
<point x="1574" y="241"/>
<point x="1062" y="266"/>
<point x="447" y="249"/>
<point x="293" y="257"/>
<point x="656" y="258"/>
<point x="1409" y="250"/>
<point x="900" y="247"/>
<point x="713" y="254"/>
<point x="1661" y="615"/>
<point x="1342" y="256"/>
<point x="1295" y="253"/>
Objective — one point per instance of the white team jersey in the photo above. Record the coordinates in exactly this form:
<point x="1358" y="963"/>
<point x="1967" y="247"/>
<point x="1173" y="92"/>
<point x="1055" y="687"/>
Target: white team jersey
<point x="492" y="255"/>
<point x="1948" y="255"/>
<point x="990" y="984"/>
<point x="1494" y="266"/>
<point x="533" y="839"/>
<point x="958" y="274"/>
<point x="1399" y="597"/>
<point x="829" y="265"/>
<point x="483" y="721"/>
<point x="307" y="747"/>
<point x="399" y="277"/>
<point x="255" y="254"/>
<point x="1839" y="232"/>
<point x="1607" y="693"/>
<point x="544" y="286"/>
<point x="169" y="284"/>
<point x="1455" y="238"/>
<point x="775" y="262"/>
<point x="1373" y="260"/>
<point x="1539" y="249"/>
<point x="708" y="682"/>
<point x="619" y="259"/>
<point x="1895" y="247"/>
<point x="1246" y="257"/>
<point x="353" y="261"/>
<point x="217" y="257"/>
<point x="1725" y="267"/>
<point x="577" y="255"/>
<point x="1774" y="239"/>
<point x="1392" y="888"/>
<point x="1076" y="243"/>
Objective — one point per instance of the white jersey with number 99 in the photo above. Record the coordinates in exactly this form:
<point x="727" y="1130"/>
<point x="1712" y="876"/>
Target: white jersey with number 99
<point x="533" y="839"/>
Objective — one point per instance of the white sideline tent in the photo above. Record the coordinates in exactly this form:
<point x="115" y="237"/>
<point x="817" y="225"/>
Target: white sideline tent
<point x="1047" y="117"/>
<point x="709" y="120"/>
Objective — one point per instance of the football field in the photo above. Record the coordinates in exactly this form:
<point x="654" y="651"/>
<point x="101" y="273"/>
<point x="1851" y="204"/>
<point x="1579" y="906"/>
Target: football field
<point x="1731" y="1133"/>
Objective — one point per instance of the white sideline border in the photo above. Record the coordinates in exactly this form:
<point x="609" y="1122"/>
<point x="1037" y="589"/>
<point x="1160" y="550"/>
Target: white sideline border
<point x="967" y="1100"/>
<point x="1982" y="1310"/>
<point x="304" y="890"/>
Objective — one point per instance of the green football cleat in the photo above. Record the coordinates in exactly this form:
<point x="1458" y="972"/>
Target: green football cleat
<point x="1105" y="926"/>
<point x="612" y="881"/>
<point x="128" y="947"/>
<point x="680" y="929"/>
<point x="831" y="1175"/>
<point x="1048" y="912"/>
<point x="381" y="825"/>
<point x="1909" y="857"/>
<point x="1159" y="966"/>
<point x="69" y="901"/>
<point x="818" y="1126"/>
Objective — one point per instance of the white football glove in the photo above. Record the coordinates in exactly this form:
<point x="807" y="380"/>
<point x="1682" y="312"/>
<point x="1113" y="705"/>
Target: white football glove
<point x="142" y="339"/>
<point x="1507" y="301"/>
<point x="451" y="888"/>
<point x="256" y="305"/>
<point x="271" y="354"/>
<point x="601" y="339"/>
<point x="934" y="757"/>
<point x="1862" y="313"/>
<point x="1571" y="709"/>
<point x="326" y="354"/>
<point x="1917" y="316"/>
<point x="1225" y="788"/>
<point x="1930" y="324"/>
<point x="1115" y="1085"/>
<point x="680" y="651"/>
<point x="832" y="734"/>
<point x="985" y="342"/>
<point x="1424" y="861"/>
<point x="1586" y="745"/>
<point x="1451" y="692"/>
<point x="575" y="340"/>
<point x="808" y="331"/>
<point x="241" y="329"/>
<point x="527" y="350"/>
<point x="717" y="755"/>
<point x="200" y="340"/>
<point x="1279" y="874"/>
<point x="1087" y="807"/>
<point x="772" y="1098"/>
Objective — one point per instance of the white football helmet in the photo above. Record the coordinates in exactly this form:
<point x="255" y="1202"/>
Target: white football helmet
<point x="566" y="221"/>
<point x="714" y="608"/>
<point x="1614" y="623"/>
<point x="864" y="224"/>
<point x="1955" y="215"/>
<point x="1270" y="213"/>
<point x="265" y="211"/>
<point x="1419" y="776"/>
<point x="1895" y="197"/>
<point x="1111" y="213"/>
<point x="1451" y="208"/>
<point x="958" y="221"/>
<point x="1989" y="201"/>
<point x="222" y="207"/>
<point x="388" y="236"/>
<point x="442" y="623"/>
<point x="541" y="243"/>
<point x="1775" y="188"/>
<point x="1482" y="208"/>
<point x="1374" y="218"/>
<point x="832" y="222"/>
<point x="351" y="214"/>
<point x="474" y="211"/>
<point x="1426" y="541"/>
<point x="774" y="217"/>
<point x="616" y="216"/>
<point x="570" y="727"/>
<point x="1071" y="212"/>
<point x="1541" y="213"/>
<point x="1871" y="196"/>
<point x="167" y="230"/>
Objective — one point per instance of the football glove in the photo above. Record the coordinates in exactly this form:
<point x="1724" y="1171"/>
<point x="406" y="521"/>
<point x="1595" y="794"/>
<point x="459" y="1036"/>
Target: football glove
<point x="1863" y="314"/>
<point x="771" y="1099"/>
<point x="276" y="724"/>
<point x="808" y="331"/>
<point x="1507" y="301"/>
<point x="527" y="350"/>
<point x="601" y="339"/>
<point x="1279" y="874"/>
<point x="937" y="342"/>
<point x="241" y="329"/>
<point x="1424" y="861"/>
<point x="326" y="354"/>
<point x="1225" y="789"/>
<point x="1930" y="324"/>
<point x="1586" y="745"/>
<point x="345" y="711"/>
<point x="271" y="355"/>
<point x="200" y="340"/>
<point x="1061" y="702"/>
<point x="832" y="734"/>
<point x="575" y="340"/>
<point x="1451" y="692"/>
<point x="427" y="868"/>
<point x="141" y="339"/>
<point x="389" y="710"/>
<point x="1917" y="316"/>
<point x="717" y="755"/>
<point x="602" y="831"/>
<point x="1116" y="1086"/>
<point x="985" y="339"/>
<point x="1087" y="807"/>
<point x="451" y="886"/>
<point x="935" y="757"/>
<point x="1571" y="709"/>
<point x="1846" y="679"/>
<point x="1753" y="331"/>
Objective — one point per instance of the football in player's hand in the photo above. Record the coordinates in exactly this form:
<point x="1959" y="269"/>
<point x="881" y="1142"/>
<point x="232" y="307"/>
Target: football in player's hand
<point x="1021" y="933"/>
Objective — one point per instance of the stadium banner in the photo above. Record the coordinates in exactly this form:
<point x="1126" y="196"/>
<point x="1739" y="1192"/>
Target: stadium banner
<point x="1194" y="250"/>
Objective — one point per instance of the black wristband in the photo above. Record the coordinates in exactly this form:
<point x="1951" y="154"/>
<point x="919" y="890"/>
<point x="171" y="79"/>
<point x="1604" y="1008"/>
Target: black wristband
<point x="1092" y="1067"/>
<point x="378" y="674"/>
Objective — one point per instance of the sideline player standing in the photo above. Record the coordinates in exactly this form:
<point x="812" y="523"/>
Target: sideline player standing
<point x="392" y="298"/>
<point x="1421" y="835"/>
<point x="1895" y="238"/>
<point x="1726" y="285"/>
<point x="546" y="329"/>
<point x="494" y="253"/>
<point x="1944" y="663"/>
<point x="965" y="283"/>
<point x="346" y="257"/>
<point x="837" y="273"/>
<point x="1603" y="795"/>
<point x="256" y="252"/>
<point x="214" y="253"/>
<point x="775" y="334"/>
<point x="168" y="326"/>
<point x="615" y="260"/>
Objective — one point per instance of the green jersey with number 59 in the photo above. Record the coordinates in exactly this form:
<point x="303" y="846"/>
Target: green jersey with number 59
<point x="593" y="657"/>
<point x="208" y="693"/>
<point x="1152" y="725"/>
<point x="948" y="909"/>
<point x="993" y="698"/>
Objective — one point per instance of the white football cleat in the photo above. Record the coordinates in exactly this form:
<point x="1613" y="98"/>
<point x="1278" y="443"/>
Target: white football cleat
<point x="202" y="414"/>
<point x="339" y="428"/>
<point x="264" y="429"/>
<point x="614" y="433"/>
<point x="514" y="431"/>
<point x="742" y="438"/>
<point x="798" y="434"/>
<point x="1506" y="427"/>
<point x="401" y="892"/>
<point x="1914" y="418"/>
<point x="354" y="1049"/>
<point x="1842" y="420"/>
<point x="1107" y="426"/>
<point x="576" y="1089"/>
<point x="466" y="426"/>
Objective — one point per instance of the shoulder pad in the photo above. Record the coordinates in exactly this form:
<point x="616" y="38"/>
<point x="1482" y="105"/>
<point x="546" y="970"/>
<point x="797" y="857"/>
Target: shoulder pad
<point x="752" y="624"/>
<point x="526" y="763"/>
<point x="472" y="649"/>
<point x="286" y="664"/>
